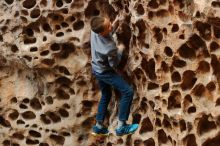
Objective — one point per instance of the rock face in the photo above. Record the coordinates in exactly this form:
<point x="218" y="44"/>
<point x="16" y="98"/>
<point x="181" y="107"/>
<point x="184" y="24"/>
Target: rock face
<point x="48" y="96"/>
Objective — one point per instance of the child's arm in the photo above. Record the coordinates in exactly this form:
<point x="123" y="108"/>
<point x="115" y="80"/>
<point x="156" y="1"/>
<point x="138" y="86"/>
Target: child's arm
<point x="114" y="56"/>
<point x="115" y="26"/>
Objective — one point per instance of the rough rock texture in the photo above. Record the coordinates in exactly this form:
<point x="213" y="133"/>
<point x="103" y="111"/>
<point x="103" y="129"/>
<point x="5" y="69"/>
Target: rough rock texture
<point x="48" y="96"/>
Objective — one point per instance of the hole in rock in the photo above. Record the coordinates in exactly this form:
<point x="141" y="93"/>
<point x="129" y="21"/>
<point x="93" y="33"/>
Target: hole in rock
<point x="78" y="25"/>
<point x="61" y="94"/>
<point x="188" y="79"/>
<point x="140" y="9"/>
<point x="176" y="77"/>
<point x="14" y="48"/>
<point x="199" y="90"/>
<point x="28" y="115"/>
<point x="45" y="119"/>
<point x="35" y="13"/>
<point x="168" y="51"/>
<point x="152" y="86"/>
<point x="186" y="52"/>
<point x="53" y="116"/>
<point x="149" y="142"/>
<point x="64" y="113"/>
<point x="48" y="62"/>
<point x="13" y="115"/>
<point x="205" y="125"/>
<point x="9" y="1"/>
<point x="59" y="34"/>
<point x="175" y="28"/>
<point x="178" y="62"/>
<point x="211" y="86"/>
<point x="33" y="49"/>
<point x="55" y="47"/>
<point x="162" y="137"/>
<point x="191" y="109"/>
<point x="165" y="87"/>
<point x="46" y="27"/>
<point x="190" y="140"/>
<point x="204" y="30"/>
<point x="59" y="3"/>
<point x="214" y="46"/>
<point x="29" y="4"/>
<point x="203" y="67"/>
<point x="34" y="133"/>
<point x="136" y="118"/>
<point x="153" y="4"/>
<point x="174" y="100"/>
<point x="45" y="53"/>
<point x="35" y="104"/>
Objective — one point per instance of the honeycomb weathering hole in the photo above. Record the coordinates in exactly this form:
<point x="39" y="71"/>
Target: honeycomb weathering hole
<point x="29" y="4"/>
<point x="58" y="139"/>
<point x="78" y="25"/>
<point x="182" y="125"/>
<point x="4" y="122"/>
<point x="53" y="116"/>
<point x="153" y="4"/>
<point x="35" y="104"/>
<point x="212" y="141"/>
<point x="196" y="42"/>
<point x="146" y="126"/>
<point x="28" y="115"/>
<point x="168" y="51"/>
<point x="190" y="140"/>
<point x="211" y="86"/>
<point x="191" y="109"/>
<point x="204" y="29"/>
<point x="174" y="100"/>
<point x="203" y="67"/>
<point x="188" y="79"/>
<point x="35" y="13"/>
<point x="59" y="3"/>
<point x="149" y="67"/>
<point x="171" y="59"/>
<point x="186" y="52"/>
<point x="162" y="137"/>
<point x="63" y="113"/>
<point x="166" y="122"/>
<point x="205" y="125"/>
<point x="176" y="77"/>
<point x="149" y="142"/>
<point x="34" y="133"/>
<point x="140" y="9"/>
<point x="175" y="28"/>
<point x="178" y="62"/>
<point x="214" y="46"/>
<point x="13" y="115"/>
<point x="9" y="1"/>
<point x="14" y="48"/>
<point x="198" y="90"/>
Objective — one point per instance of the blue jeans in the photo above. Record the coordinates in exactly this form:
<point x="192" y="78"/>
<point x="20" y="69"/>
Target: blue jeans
<point x="107" y="80"/>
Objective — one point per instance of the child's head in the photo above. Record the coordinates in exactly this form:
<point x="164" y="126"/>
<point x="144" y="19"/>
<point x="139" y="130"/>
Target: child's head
<point x="101" y="25"/>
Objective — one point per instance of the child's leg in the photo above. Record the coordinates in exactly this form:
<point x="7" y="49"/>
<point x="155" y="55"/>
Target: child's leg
<point x="104" y="101"/>
<point x="126" y="96"/>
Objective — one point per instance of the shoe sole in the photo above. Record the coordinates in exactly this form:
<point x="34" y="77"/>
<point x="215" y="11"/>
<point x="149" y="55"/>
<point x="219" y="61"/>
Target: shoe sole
<point x="96" y="134"/>
<point x="126" y="134"/>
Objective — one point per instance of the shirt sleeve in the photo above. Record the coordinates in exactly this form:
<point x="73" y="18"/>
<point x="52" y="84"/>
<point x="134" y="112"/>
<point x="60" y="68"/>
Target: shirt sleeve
<point x="114" y="57"/>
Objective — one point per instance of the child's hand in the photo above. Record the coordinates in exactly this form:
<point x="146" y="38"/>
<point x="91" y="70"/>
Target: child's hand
<point x="121" y="47"/>
<point x="115" y="24"/>
<point x="117" y="21"/>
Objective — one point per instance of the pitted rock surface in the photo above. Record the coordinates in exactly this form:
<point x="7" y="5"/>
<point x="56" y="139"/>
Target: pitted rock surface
<point x="48" y="96"/>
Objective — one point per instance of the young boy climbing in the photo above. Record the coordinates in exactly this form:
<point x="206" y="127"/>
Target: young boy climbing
<point x="105" y="59"/>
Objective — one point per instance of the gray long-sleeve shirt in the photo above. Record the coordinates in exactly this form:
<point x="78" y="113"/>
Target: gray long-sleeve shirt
<point x="105" y="55"/>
